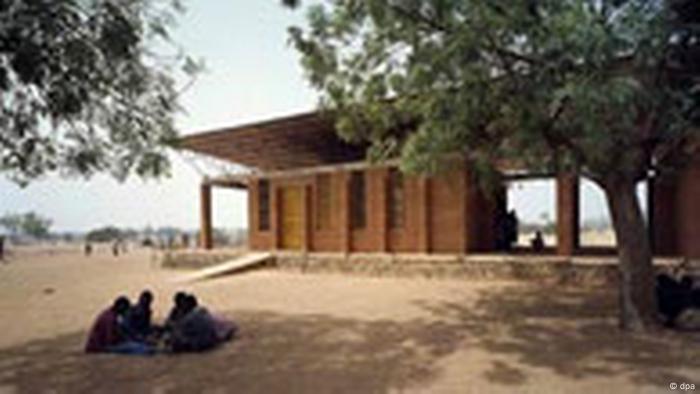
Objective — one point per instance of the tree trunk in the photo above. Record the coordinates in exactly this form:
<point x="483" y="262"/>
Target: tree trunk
<point x="636" y="272"/>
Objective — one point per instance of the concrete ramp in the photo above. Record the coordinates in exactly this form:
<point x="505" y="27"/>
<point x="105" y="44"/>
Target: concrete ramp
<point x="239" y="264"/>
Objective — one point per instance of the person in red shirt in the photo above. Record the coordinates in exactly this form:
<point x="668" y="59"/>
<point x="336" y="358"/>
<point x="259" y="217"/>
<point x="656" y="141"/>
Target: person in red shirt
<point x="106" y="331"/>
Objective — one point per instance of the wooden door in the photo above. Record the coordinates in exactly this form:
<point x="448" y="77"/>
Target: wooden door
<point x="291" y="217"/>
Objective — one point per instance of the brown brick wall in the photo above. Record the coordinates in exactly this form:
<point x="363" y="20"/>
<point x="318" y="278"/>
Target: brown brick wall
<point x="688" y="211"/>
<point x="451" y="214"/>
<point x="259" y="240"/>
<point x="435" y="218"/>
<point x="329" y="239"/>
<point x="370" y="239"/>
<point x="664" y="231"/>
<point x="447" y="222"/>
<point x="482" y="206"/>
<point x="406" y="239"/>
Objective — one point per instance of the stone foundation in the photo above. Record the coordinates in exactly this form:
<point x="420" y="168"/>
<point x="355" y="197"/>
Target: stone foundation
<point x="576" y="271"/>
<point x="197" y="259"/>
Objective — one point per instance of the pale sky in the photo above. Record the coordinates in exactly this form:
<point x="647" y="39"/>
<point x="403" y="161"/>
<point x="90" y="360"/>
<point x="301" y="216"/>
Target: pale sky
<point x="252" y="74"/>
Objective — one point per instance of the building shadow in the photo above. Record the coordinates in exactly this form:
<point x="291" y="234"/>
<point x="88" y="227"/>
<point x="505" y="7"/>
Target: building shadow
<point x="571" y="332"/>
<point x="274" y="353"/>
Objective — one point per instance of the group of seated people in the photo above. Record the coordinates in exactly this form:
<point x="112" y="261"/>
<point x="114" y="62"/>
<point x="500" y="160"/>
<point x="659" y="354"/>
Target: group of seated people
<point x="128" y="329"/>
<point x="675" y="297"/>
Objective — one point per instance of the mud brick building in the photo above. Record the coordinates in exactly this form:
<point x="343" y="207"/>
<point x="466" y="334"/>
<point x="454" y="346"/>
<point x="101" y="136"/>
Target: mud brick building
<point x="310" y="191"/>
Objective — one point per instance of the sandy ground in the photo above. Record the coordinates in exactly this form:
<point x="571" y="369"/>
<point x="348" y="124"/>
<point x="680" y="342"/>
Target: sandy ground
<point x="330" y="334"/>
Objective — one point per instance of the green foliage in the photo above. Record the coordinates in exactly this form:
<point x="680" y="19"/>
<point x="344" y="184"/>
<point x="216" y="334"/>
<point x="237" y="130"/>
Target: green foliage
<point x="557" y="84"/>
<point x="29" y="224"/>
<point x="83" y="89"/>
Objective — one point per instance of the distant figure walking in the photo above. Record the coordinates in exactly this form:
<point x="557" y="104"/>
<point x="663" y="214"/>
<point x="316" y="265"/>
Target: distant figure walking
<point x="2" y="247"/>
<point x="88" y="249"/>
<point x="115" y="248"/>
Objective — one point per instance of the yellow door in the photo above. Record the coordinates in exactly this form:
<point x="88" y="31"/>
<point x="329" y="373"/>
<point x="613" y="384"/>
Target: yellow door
<point x="291" y="204"/>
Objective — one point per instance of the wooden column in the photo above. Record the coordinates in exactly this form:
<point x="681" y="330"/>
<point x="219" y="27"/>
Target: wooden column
<point x="424" y="215"/>
<point x="567" y="214"/>
<point x="206" y="240"/>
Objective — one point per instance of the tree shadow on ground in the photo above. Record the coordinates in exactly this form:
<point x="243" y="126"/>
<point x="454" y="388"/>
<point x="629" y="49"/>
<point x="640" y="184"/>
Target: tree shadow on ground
<point x="571" y="332"/>
<point x="274" y="353"/>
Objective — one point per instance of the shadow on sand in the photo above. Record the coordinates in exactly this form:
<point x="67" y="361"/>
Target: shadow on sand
<point x="273" y="354"/>
<point x="570" y="333"/>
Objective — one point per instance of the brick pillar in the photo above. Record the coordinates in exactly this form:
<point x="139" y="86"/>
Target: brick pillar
<point x="345" y="232"/>
<point x="205" y="231"/>
<point x="464" y="190"/>
<point x="424" y="215"/>
<point x="275" y="217"/>
<point x="380" y="208"/>
<point x="306" y="219"/>
<point x="482" y="210"/>
<point x="567" y="214"/>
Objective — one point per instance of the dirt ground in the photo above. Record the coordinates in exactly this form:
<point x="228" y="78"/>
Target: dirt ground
<point x="330" y="334"/>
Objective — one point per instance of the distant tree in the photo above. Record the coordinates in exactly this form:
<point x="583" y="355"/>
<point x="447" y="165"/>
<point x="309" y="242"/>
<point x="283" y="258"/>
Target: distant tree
<point x="36" y="226"/>
<point x="87" y="86"/>
<point x="104" y="234"/>
<point x="30" y="224"/>
<point x="606" y="88"/>
<point x="12" y="222"/>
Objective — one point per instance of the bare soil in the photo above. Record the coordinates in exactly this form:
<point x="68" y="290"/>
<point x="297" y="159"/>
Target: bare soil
<point x="330" y="334"/>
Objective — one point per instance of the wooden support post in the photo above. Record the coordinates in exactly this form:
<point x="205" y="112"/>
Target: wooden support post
<point x="206" y="240"/>
<point x="567" y="214"/>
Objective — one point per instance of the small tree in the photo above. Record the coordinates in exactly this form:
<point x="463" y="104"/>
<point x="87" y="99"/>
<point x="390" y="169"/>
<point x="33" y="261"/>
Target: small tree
<point x="605" y="88"/>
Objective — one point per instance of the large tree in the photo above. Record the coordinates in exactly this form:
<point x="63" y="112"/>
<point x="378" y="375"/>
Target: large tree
<point x="86" y="86"/>
<point x="603" y="88"/>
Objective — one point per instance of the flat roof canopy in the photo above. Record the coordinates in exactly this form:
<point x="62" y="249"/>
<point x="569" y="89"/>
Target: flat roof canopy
<point x="298" y="141"/>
